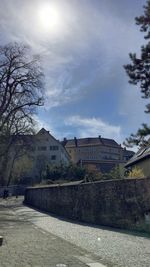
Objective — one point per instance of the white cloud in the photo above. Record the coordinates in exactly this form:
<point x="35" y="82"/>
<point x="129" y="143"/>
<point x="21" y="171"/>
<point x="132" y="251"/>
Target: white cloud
<point x="87" y="127"/>
<point x="80" y="37"/>
<point x="50" y="126"/>
<point x="86" y="54"/>
<point x="40" y="123"/>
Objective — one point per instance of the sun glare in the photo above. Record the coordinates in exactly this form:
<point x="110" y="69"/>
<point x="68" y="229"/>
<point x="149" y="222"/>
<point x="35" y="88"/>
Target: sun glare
<point x="49" y="17"/>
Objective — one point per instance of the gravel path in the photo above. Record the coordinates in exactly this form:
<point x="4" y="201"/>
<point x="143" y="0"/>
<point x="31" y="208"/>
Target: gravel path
<point x="114" y="247"/>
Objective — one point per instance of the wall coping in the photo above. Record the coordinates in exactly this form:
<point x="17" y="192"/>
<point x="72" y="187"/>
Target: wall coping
<point x="80" y="183"/>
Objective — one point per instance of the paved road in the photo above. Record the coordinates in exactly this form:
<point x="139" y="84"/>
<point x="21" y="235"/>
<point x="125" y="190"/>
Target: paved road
<point x="84" y="243"/>
<point x="27" y="245"/>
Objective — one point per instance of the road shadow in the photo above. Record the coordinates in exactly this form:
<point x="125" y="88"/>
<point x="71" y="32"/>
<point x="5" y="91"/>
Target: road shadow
<point x="18" y="203"/>
<point x="96" y="226"/>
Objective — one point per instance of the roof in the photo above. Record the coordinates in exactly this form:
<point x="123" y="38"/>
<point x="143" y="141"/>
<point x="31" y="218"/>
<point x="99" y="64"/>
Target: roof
<point x="142" y="154"/>
<point x="90" y="141"/>
<point x="86" y="161"/>
<point x="128" y="152"/>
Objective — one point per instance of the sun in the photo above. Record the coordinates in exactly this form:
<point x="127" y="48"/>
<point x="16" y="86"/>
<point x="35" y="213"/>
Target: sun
<point x="49" y="17"/>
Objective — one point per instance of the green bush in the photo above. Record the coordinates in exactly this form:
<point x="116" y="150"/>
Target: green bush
<point x="113" y="174"/>
<point x="136" y="172"/>
<point x="64" y="172"/>
<point x="72" y="172"/>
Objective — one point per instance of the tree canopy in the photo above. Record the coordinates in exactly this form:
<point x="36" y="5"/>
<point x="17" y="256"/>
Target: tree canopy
<point x="139" y="73"/>
<point x="21" y="88"/>
<point x="21" y="92"/>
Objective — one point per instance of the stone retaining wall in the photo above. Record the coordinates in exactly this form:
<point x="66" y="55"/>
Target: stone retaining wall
<point x="116" y="203"/>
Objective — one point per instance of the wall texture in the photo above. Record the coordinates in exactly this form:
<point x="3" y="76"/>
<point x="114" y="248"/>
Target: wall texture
<point x="117" y="203"/>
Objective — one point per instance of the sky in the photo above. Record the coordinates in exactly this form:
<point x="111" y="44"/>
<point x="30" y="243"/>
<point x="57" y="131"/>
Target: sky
<point x="83" y="46"/>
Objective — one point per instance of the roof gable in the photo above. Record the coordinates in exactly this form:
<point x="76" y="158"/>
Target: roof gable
<point x="139" y="156"/>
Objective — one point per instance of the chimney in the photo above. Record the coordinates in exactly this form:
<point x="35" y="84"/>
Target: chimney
<point x="75" y="140"/>
<point x="64" y="141"/>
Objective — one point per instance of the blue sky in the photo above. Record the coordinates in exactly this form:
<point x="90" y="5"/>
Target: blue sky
<point x="83" y="50"/>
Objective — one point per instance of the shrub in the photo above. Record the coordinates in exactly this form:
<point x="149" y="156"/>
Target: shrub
<point x="136" y="172"/>
<point x="93" y="175"/>
<point x="113" y="174"/>
<point x="63" y="172"/>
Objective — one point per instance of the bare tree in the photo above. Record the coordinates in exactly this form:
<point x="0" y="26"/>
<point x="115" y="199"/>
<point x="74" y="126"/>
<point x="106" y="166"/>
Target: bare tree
<point x="41" y="164"/>
<point x="21" y="92"/>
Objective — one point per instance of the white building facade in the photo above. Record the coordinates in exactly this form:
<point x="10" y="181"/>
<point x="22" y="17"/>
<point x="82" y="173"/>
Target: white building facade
<point x="41" y="150"/>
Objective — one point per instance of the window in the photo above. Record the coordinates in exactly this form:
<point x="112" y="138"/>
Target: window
<point x="42" y="148"/>
<point x="54" y="147"/>
<point x="53" y="157"/>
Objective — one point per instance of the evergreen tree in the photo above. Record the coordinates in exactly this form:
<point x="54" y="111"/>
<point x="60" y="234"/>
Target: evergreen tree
<point x="139" y="73"/>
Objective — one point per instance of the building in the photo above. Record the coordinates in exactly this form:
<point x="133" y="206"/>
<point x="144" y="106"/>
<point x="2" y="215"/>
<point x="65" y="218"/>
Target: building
<point x="127" y="154"/>
<point x="141" y="160"/>
<point x="98" y="153"/>
<point x="45" y="145"/>
<point x="30" y="154"/>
